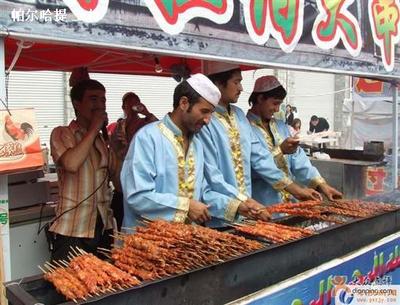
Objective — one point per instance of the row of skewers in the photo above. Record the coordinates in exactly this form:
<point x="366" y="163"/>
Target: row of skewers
<point x="332" y="211"/>
<point x="156" y="250"/>
<point x="162" y="249"/>
<point x="85" y="275"/>
<point x="273" y="232"/>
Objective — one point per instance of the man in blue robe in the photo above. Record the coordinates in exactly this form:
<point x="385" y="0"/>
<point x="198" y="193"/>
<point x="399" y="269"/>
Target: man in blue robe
<point x="232" y="152"/>
<point x="163" y="173"/>
<point x="274" y="135"/>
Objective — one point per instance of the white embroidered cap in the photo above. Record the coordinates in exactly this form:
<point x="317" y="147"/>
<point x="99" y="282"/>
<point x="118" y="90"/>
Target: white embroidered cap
<point x="266" y="83"/>
<point x="214" y="67"/>
<point x="205" y="87"/>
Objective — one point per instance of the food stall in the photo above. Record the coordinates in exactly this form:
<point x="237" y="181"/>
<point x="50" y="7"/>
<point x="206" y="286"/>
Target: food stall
<point x="139" y="37"/>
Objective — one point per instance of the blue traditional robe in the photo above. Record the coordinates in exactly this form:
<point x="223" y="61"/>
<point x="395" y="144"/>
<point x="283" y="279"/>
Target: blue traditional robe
<point x="297" y="166"/>
<point x="231" y="153"/>
<point x="157" y="179"/>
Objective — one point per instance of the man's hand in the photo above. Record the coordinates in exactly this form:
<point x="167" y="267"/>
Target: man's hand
<point x="289" y="146"/>
<point x="301" y="193"/>
<point x="99" y="119"/>
<point x="141" y="108"/>
<point x="330" y="192"/>
<point x="198" y="212"/>
<point x="253" y="209"/>
<point x="145" y="111"/>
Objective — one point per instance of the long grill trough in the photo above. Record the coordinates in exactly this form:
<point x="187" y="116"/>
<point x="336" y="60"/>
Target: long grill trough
<point x="236" y="277"/>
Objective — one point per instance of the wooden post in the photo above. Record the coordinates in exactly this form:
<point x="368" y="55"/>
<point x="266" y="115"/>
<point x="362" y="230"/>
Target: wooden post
<point x="5" y="263"/>
<point x="2" y="277"/>
<point x="5" y="270"/>
<point x="395" y="138"/>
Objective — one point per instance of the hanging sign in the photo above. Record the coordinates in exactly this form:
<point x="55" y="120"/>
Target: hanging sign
<point x="19" y="141"/>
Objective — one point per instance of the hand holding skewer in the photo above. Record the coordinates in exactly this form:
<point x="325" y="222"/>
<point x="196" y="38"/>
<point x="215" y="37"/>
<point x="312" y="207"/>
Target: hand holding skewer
<point x="330" y="192"/>
<point x="303" y="193"/>
<point x="253" y="209"/>
<point x="198" y="211"/>
<point x="290" y="145"/>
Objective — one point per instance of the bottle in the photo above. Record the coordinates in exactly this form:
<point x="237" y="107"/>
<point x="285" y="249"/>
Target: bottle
<point x="45" y="154"/>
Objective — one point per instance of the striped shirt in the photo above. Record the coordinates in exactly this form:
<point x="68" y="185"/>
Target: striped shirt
<point x="77" y="187"/>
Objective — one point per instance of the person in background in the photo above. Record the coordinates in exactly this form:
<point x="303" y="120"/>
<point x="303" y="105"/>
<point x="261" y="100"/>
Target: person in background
<point x="289" y="115"/>
<point x="163" y="172"/>
<point x="121" y="136"/>
<point x="295" y="127"/>
<point x="132" y="107"/>
<point x="266" y="98"/>
<point x="318" y="124"/>
<point x="84" y="166"/>
<point x="232" y="152"/>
